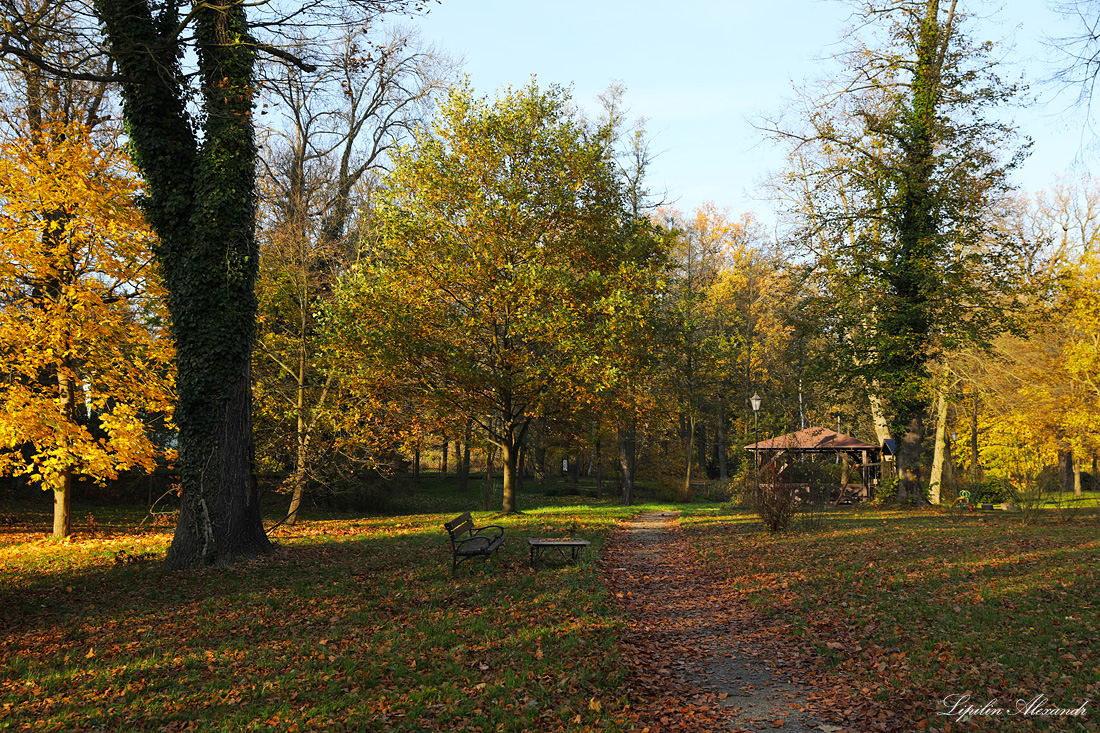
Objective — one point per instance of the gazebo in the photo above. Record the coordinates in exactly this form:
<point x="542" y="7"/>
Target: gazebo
<point x="822" y="440"/>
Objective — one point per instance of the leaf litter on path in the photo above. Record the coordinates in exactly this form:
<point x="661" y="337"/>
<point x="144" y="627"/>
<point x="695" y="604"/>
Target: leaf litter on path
<point x="702" y="659"/>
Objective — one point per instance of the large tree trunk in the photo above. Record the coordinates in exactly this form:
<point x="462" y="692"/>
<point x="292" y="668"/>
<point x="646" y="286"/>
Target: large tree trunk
<point x="220" y="516"/>
<point x="509" y="458"/>
<point x="878" y="417"/>
<point x="513" y="435"/>
<point x="626" y="439"/>
<point x="910" y="489"/>
<point x="201" y="202"/>
<point x="1065" y="470"/>
<point x="296" y="494"/>
<point x="62" y="504"/>
<point x="882" y="433"/>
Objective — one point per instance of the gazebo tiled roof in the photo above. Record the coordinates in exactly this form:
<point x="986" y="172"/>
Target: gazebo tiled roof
<point x="813" y="439"/>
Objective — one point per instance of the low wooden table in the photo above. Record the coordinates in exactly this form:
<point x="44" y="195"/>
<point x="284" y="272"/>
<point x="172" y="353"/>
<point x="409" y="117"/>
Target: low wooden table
<point x="540" y="545"/>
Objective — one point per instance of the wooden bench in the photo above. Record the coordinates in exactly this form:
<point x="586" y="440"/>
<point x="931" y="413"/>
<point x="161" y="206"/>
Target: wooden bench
<point x="467" y="541"/>
<point x="539" y="545"/>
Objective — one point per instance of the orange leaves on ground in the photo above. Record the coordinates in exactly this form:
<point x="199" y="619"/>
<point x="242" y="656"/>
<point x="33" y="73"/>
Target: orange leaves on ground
<point x="891" y="612"/>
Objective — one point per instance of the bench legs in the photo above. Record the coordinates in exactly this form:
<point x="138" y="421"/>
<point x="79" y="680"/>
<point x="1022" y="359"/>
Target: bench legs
<point x="537" y="550"/>
<point x="454" y="564"/>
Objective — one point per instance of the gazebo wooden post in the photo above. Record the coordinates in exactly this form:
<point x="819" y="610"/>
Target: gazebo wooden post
<point x="863" y="473"/>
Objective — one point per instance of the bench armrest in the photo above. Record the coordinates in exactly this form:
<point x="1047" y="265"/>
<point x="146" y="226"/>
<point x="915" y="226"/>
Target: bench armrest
<point x="498" y="528"/>
<point x="482" y="542"/>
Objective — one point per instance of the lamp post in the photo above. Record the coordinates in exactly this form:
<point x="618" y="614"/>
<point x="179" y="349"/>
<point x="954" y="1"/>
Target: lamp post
<point x="755" y="400"/>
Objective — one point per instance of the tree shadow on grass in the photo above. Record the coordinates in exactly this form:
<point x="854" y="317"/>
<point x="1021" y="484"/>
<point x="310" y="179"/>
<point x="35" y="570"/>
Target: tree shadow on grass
<point x="293" y="634"/>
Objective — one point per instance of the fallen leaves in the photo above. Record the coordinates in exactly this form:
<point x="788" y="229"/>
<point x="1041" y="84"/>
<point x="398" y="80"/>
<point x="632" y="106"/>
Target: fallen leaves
<point x="355" y="624"/>
<point x="678" y="616"/>
<point x="938" y="609"/>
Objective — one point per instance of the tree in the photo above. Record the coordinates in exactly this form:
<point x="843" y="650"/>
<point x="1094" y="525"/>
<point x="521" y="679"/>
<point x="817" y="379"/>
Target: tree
<point x="86" y="362"/>
<point x="1039" y="389"/>
<point x="1082" y="362"/>
<point x="1080" y="51"/>
<point x="898" y="170"/>
<point x="335" y="130"/>
<point x="501" y="265"/>
<point x="693" y="366"/>
<point x="33" y="97"/>
<point x="199" y="165"/>
<point x="630" y="149"/>
<point x="748" y="328"/>
<point x="201" y="203"/>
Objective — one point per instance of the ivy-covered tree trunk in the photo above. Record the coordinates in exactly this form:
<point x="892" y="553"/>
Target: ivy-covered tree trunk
<point x="201" y="203"/>
<point x="911" y="278"/>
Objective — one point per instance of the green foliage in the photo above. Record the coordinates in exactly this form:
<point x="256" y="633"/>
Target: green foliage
<point x="501" y="271"/>
<point x="900" y="179"/>
<point x="718" y="492"/>
<point x="887" y="490"/>
<point x="775" y="500"/>
<point x="992" y="491"/>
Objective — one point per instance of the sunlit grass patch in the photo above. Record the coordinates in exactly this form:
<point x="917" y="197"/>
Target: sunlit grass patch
<point x="913" y="607"/>
<point x="353" y="623"/>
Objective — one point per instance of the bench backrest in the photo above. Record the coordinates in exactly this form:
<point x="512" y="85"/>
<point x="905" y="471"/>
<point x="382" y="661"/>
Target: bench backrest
<point x="459" y="526"/>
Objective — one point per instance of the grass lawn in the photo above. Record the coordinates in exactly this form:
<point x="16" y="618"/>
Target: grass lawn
<point x="910" y="608"/>
<point x="356" y="623"/>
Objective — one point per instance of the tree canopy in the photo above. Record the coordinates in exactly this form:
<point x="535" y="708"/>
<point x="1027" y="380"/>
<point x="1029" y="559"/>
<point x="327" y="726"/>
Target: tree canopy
<point x="501" y="267"/>
<point x="897" y="176"/>
<point x="86" y="357"/>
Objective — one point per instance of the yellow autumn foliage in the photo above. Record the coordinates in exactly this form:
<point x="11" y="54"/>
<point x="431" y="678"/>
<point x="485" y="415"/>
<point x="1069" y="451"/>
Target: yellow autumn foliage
<point x="1042" y="392"/>
<point x="86" y="361"/>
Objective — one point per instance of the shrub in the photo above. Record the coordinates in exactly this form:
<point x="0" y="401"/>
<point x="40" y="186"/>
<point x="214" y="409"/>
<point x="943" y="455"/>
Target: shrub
<point x="992" y="491"/>
<point x="774" y="500"/>
<point x="887" y="490"/>
<point x="742" y="487"/>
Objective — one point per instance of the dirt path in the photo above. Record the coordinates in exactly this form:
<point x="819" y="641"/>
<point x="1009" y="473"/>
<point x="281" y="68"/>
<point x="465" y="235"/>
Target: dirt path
<point x="698" y="659"/>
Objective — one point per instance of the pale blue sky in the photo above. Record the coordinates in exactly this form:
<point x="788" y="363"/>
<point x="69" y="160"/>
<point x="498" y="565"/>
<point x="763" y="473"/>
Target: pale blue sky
<point x="701" y="70"/>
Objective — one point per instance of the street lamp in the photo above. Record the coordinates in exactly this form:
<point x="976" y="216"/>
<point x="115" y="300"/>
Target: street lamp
<point x="755" y="401"/>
